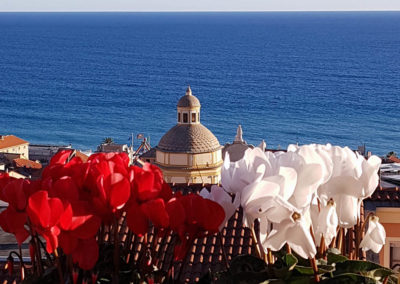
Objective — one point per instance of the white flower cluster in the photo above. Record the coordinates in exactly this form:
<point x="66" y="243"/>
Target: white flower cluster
<point x="317" y="186"/>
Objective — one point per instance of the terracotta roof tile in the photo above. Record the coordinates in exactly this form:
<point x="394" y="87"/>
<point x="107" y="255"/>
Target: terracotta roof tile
<point x="394" y="159"/>
<point x="24" y="163"/>
<point x="387" y="194"/>
<point x="189" y="138"/>
<point x="7" y="141"/>
<point x="206" y="253"/>
<point x="83" y="157"/>
<point x="188" y="100"/>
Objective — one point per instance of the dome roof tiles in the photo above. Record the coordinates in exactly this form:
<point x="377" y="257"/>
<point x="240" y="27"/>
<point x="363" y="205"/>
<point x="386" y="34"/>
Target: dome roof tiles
<point x="189" y="138"/>
<point x="188" y="100"/>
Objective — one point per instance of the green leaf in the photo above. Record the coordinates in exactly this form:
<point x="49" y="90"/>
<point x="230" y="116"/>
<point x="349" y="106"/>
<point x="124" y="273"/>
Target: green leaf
<point x="334" y="251"/>
<point x="283" y="266"/>
<point x="322" y="261"/>
<point x="349" y="278"/>
<point x="289" y="260"/>
<point x="336" y="258"/>
<point x="306" y="270"/>
<point x="247" y="263"/>
<point x="380" y="273"/>
<point x="356" y="266"/>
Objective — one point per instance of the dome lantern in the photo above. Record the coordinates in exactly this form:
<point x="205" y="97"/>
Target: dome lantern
<point x="188" y="109"/>
<point x="189" y="152"/>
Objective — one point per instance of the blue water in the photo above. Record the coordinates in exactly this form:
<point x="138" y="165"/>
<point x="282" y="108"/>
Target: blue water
<point x="286" y="77"/>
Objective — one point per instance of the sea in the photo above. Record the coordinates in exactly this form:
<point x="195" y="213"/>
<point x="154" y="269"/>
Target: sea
<point x="286" y="77"/>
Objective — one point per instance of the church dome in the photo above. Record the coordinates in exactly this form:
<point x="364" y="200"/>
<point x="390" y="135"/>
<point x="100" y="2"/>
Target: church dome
<point x="189" y="152"/>
<point x="188" y="100"/>
<point x="189" y="138"/>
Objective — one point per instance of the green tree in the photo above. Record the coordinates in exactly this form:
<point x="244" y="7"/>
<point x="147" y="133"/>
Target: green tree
<point x="108" y="140"/>
<point x="391" y="153"/>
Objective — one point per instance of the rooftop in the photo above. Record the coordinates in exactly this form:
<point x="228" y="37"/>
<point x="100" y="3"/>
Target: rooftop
<point x="188" y="100"/>
<point x="206" y="253"/>
<point x="189" y="138"/>
<point x="81" y="155"/>
<point x="24" y="163"/>
<point x="7" y="141"/>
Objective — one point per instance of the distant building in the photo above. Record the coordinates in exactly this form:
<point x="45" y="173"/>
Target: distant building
<point x="16" y="163"/>
<point x="385" y="203"/>
<point x="189" y="152"/>
<point x="149" y="156"/>
<point x="237" y="148"/>
<point x="13" y="144"/>
<point x="114" y="147"/>
<point x="44" y="152"/>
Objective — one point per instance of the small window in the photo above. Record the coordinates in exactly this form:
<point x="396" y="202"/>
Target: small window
<point x="395" y="255"/>
<point x="193" y="117"/>
<point x="179" y="117"/>
<point x="185" y="118"/>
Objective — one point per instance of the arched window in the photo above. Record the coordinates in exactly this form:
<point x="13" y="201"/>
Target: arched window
<point x="193" y="117"/>
<point x="185" y="118"/>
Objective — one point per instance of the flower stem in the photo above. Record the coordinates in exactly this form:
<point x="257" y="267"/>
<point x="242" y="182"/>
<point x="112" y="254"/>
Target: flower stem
<point x="288" y="249"/>
<point x="322" y="247"/>
<point x="59" y="269"/>
<point x="340" y="240"/>
<point x="255" y="241"/>
<point x="38" y="256"/>
<point x="270" y="257"/>
<point x="223" y="250"/>
<point x="315" y="269"/>
<point x="351" y="244"/>
<point x="116" y="252"/>
<point x="312" y="233"/>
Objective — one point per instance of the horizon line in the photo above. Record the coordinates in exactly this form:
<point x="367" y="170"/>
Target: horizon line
<point x="197" y="11"/>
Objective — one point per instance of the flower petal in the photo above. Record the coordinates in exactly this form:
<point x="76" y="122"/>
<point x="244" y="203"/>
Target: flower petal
<point x="86" y="253"/>
<point x="137" y="220"/>
<point x="156" y="212"/>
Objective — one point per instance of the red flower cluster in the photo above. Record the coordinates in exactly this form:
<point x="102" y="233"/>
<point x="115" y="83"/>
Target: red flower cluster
<point x="73" y="199"/>
<point x="191" y="217"/>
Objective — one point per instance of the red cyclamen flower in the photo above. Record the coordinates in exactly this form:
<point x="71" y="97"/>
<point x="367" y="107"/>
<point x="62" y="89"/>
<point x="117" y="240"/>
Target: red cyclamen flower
<point x="191" y="217"/>
<point x="148" y="199"/>
<point x="45" y="213"/>
<point x="14" y="218"/>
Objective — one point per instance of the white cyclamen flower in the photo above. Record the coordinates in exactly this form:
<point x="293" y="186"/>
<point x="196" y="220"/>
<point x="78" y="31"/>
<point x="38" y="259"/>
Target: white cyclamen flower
<point x="353" y="179"/>
<point x="326" y="224"/>
<point x="296" y="233"/>
<point x="375" y="237"/>
<point x="251" y="168"/>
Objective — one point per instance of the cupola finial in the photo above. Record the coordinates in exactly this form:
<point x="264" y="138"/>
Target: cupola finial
<point x="239" y="135"/>
<point x="188" y="91"/>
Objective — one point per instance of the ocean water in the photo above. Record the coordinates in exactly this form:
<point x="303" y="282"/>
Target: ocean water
<point x="285" y="77"/>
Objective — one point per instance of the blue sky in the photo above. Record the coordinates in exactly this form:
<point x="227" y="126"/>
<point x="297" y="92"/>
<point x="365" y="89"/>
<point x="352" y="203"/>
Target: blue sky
<point x="198" y="5"/>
